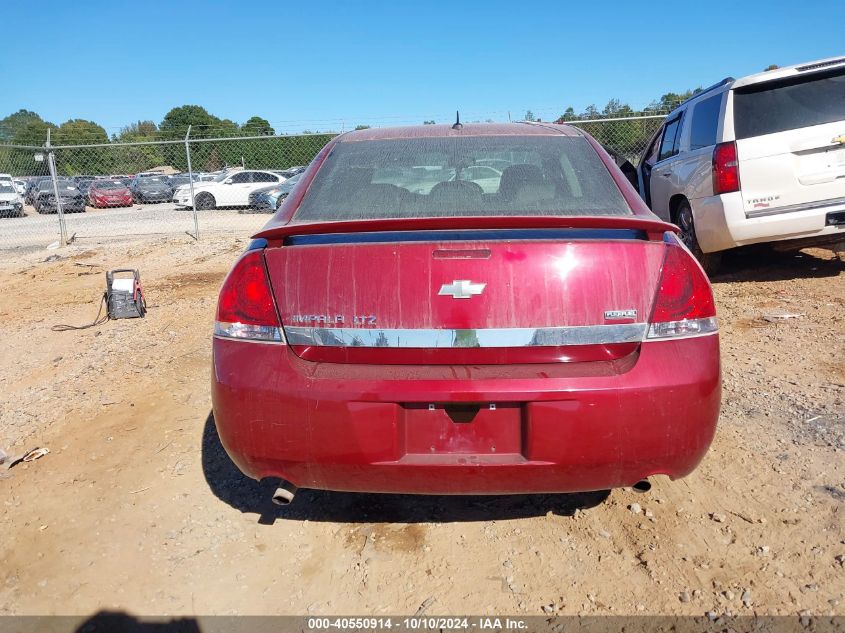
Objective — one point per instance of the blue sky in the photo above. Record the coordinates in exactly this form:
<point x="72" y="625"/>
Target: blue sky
<point x="323" y="64"/>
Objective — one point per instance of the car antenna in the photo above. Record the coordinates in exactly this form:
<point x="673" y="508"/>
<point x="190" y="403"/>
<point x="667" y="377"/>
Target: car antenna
<point x="458" y="125"/>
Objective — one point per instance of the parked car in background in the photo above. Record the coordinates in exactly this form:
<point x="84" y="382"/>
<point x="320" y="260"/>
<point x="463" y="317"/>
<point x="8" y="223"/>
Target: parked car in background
<point x="290" y="172"/>
<point x="180" y="179"/>
<point x="83" y="182"/>
<point x="151" y="188"/>
<point x="551" y="336"/>
<point x="11" y="203"/>
<point x="71" y="198"/>
<point x="268" y="199"/>
<point x="32" y="189"/>
<point x="757" y="159"/>
<point x="484" y="176"/>
<point x="20" y="186"/>
<point x="177" y="180"/>
<point x="109" y="193"/>
<point x="229" y="189"/>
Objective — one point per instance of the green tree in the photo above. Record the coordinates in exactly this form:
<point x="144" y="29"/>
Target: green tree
<point x="32" y="132"/>
<point x="174" y="126"/>
<point x="771" y="67"/>
<point x="431" y="122"/>
<point x="75" y="161"/>
<point x="568" y="115"/>
<point x="79" y="132"/>
<point x="212" y="161"/>
<point x="670" y="100"/>
<point x="130" y="159"/>
<point x="138" y="131"/>
<point x="15" y="123"/>
<point x="529" y="116"/>
<point x="175" y="123"/>
<point x="256" y="126"/>
<point x="362" y="127"/>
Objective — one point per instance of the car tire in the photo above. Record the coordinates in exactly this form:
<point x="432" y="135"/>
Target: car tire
<point x="684" y="220"/>
<point x="205" y="202"/>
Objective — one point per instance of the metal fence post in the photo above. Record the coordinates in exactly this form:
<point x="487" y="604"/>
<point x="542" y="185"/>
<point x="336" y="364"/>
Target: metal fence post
<point x="196" y="235"/>
<point x="51" y="163"/>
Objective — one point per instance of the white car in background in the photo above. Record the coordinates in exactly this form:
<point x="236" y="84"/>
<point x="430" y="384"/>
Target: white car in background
<point x="229" y="189"/>
<point x="756" y="159"/>
<point x="11" y="203"/>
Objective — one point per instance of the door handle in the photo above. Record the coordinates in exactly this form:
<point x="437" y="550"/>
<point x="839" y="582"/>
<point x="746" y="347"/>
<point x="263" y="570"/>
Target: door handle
<point x="666" y="174"/>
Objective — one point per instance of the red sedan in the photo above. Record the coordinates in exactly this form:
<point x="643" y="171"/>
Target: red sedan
<point x="398" y="327"/>
<point x="109" y="193"/>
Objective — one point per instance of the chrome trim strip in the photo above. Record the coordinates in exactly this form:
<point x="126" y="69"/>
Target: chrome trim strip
<point x="793" y="208"/>
<point x="457" y="338"/>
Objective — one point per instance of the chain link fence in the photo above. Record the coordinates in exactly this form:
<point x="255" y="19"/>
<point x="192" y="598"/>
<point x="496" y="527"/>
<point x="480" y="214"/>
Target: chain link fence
<point x="194" y="184"/>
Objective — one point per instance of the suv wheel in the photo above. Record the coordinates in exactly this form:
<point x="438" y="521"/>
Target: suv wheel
<point x="683" y="218"/>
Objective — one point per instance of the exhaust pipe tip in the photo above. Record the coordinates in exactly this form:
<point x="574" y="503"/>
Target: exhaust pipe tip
<point x="642" y="486"/>
<point x="284" y="493"/>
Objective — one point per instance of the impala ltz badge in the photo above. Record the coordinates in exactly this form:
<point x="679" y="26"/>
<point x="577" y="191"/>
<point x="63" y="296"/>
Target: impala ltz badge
<point x="616" y="315"/>
<point x="461" y="289"/>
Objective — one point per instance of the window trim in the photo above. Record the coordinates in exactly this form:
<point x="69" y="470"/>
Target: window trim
<point x="654" y="144"/>
<point x="241" y="173"/>
<point x="676" y="143"/>
<point x="719" y="116"/>
<point x="275" y="177"/>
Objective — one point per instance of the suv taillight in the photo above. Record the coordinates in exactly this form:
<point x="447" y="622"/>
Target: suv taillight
<point x="725" y="168"/>
<point x="684" y="304"/>
<point x="245" y="308"/>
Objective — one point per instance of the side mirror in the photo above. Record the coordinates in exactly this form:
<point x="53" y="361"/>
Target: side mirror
<point x="228" y="181"/>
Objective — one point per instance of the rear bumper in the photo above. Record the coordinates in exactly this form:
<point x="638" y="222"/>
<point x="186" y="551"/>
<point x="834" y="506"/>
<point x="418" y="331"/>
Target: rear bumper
<point x="68" y="206"/>
<point x="101" y="203"/>
<point x="345" y="427"/>
<point x="721" y="223"/>
<point x="153" y="197"/>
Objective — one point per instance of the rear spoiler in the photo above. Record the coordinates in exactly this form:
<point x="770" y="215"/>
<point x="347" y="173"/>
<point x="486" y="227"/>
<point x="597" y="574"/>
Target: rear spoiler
<point x="654" y="228"/>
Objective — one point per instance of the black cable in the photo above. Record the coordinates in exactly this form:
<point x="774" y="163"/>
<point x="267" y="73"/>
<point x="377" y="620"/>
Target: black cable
<point x="97" y="320"/>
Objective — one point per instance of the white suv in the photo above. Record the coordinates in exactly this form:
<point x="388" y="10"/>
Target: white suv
<point x="229" y="189"/>
<point x="757" y="159"/>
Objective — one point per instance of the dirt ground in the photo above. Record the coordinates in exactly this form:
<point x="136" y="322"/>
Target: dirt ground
<point x="138" y="509"/>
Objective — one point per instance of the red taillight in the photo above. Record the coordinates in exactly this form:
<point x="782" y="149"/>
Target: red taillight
<point x="725" y="168"/>
<point x="245" y="308"/>
<point x="684" y="304"/>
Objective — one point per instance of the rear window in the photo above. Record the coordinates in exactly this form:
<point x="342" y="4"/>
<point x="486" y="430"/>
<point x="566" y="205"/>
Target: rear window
<point x="461" y="176"/>
<point x="790" y="104"/>
<point x="705" y="122"/>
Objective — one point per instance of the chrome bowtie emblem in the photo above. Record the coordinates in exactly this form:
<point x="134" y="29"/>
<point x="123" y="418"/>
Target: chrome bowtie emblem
<point x="461" y="289"/>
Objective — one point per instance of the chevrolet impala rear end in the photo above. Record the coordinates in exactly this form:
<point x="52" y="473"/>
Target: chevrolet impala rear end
<point x="398" y="327"/>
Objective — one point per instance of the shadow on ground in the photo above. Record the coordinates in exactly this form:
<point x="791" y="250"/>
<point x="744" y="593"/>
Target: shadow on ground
<point x="763" y="263"/>
<point x="228" y="484"/>
<point x="120" y="622"/>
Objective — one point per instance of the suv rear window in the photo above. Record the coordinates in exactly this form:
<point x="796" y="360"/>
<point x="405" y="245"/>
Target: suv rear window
<point x="789" y="104"/>
<point x="462" y="176"/>
<point x="705" y="122"/>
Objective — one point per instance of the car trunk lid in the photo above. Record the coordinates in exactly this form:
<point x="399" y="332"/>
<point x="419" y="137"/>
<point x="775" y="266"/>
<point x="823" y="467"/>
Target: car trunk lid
<point x="468" y="296"/>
